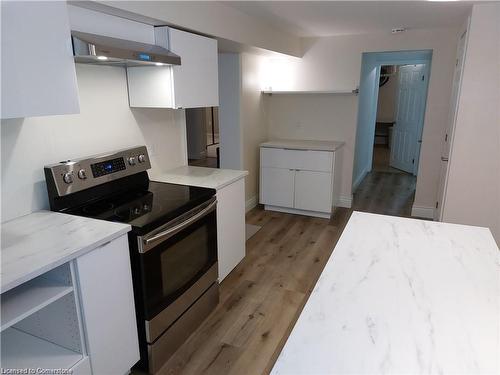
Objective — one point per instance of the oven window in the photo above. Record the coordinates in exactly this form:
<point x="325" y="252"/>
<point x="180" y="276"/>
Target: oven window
<point x="183" y="261"/>
<point x="174" y="265"/>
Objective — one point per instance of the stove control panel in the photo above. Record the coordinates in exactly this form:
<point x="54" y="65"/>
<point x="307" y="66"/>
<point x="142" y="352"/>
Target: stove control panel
<point x="70" y="176"/>
<point x="109" y="166"/>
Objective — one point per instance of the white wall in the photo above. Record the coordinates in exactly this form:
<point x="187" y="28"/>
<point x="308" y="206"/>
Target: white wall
<point x="231" y="150"/>
<point x="253" y="121"/>
<point x="335" y="62"/>
<point x="105" y="123"/>
<point x="318" y="117"/>
<point x="473" y="190"/>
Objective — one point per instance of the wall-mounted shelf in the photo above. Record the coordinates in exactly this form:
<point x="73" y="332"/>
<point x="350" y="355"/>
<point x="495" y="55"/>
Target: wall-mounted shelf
<point x="29" y="298"/>
<point x="304" y="92"/>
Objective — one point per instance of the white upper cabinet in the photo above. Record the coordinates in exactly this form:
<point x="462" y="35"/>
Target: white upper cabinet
<point x="38" y="71"/>
<point x="192" y="84"/>
<point x="196" y="82"/>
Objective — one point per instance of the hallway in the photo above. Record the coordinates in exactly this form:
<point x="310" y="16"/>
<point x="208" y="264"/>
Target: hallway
<point x="385" y="190"/>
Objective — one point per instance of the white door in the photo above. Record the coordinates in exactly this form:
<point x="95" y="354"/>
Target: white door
<point x="410" y="106"/>
<point x="277" y="186"/>
<point x="313" y="191"/>
<point x="230" y="227"/>
<point x="37" y="67"/>
<point x="107" y="299"/>
<point x="448" y="138"/>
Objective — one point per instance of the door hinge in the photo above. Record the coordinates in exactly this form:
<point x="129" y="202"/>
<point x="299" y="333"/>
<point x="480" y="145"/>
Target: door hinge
<point x="437" y="204"/>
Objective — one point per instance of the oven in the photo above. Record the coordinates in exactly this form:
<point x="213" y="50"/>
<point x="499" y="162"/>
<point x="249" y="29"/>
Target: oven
<point x="178" y="268"/>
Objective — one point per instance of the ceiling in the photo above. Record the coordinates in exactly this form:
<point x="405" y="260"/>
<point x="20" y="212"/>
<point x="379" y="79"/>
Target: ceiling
<point x="328" y="18"/>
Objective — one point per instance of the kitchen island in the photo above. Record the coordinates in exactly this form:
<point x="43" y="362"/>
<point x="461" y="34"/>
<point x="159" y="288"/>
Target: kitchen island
<point x="401" y="296"/>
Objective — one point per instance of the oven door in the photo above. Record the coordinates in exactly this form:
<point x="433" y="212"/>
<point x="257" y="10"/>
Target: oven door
<point x="178" y="264"/>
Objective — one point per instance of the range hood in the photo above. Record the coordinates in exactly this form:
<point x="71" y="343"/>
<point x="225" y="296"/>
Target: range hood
<point x="104" y="50"/>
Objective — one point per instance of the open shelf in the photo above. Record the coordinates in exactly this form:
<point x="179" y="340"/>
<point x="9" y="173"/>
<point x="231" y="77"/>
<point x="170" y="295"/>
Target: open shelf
<point x="30" y="297"/>
<point x="22" y="350"/>
<point x="299" y="92"/>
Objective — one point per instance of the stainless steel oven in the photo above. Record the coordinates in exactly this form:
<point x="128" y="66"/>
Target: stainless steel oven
<point x="178" y="264"/>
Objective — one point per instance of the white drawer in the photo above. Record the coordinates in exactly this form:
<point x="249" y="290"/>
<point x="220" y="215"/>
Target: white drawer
<point x="296" y="159"/>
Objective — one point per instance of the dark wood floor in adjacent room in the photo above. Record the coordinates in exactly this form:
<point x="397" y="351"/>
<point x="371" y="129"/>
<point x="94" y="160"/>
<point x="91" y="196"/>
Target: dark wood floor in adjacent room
<point x="385" y="190"/>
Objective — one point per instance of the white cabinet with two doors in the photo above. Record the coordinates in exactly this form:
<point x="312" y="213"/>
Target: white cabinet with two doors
<point x="297" y="177"/>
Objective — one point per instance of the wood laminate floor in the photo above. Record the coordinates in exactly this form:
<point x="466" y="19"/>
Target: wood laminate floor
<point x="262" y="297"/>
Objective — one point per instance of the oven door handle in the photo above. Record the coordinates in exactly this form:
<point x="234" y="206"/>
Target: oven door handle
<point x="177" y="228"/>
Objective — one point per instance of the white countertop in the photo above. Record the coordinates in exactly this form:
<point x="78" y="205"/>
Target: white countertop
<point x="38" y="242"/>
<point x="200" y="176"/>
<point x="401" y="296"/>
<point x="304" y="144"/>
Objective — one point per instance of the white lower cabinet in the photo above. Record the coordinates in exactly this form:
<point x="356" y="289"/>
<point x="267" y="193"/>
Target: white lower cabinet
<point x="79" y="317"/>
<point x="277" y="186"/>
<point x="107" y="300"/>
<point x="230" y="226"/>
<point x="298" y="181"/>
<point x="313" y="191"/>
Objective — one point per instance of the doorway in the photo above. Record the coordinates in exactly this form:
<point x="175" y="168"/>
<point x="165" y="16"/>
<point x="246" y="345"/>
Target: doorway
<point x="392" y="101"/>
<point x="202" y="132"/>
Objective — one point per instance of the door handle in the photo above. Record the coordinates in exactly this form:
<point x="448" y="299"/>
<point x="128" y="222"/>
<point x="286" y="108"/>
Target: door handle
<point x="148" y="241"/>
<point x="443" y="158"/>
<point x="419" y="141"/>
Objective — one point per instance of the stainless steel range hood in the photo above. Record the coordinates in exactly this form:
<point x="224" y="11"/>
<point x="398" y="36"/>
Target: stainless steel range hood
<point x="104" y="50"/>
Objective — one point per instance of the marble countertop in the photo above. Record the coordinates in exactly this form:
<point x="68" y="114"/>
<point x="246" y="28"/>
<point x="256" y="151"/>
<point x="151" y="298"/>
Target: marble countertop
<point x="200" y="176"/>
<point x="38" y="242"/>
<point x="304" y="144"/>
<point x="401" y="296"/>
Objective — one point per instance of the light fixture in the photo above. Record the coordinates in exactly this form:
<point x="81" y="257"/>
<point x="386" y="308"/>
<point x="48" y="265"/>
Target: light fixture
<point x="159" y="64"/>
<point x="102" y="58"/>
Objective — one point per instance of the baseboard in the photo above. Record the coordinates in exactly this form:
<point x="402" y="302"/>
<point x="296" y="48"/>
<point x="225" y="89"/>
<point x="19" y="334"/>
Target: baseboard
<point x="295" y="211"/>
<point x="423" y="212"/>
<point x="344" y="201"/>
<point x="251" y="203"/>
<point x="356" y="183"/>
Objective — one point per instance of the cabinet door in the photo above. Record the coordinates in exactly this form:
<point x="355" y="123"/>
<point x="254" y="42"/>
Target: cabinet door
<point x="276" y="186"/>
<point x="196" y="82"/>
<point x="313" y="191"/>
<point x="230" y="226"/>
<point x="38" y="71"/>
<point x="107" y="299"/>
